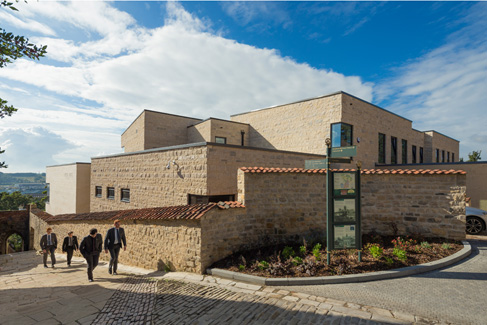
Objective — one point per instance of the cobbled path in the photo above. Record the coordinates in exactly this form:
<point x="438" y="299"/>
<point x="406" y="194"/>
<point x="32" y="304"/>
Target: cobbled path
<point x="132" y="303"/>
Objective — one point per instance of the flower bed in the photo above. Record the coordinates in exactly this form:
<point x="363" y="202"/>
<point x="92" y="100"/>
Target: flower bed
<point x="309" y="259"/>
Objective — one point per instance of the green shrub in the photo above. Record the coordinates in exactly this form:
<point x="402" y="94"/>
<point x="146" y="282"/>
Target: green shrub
<point x="287" y="252"/>
<point x="446" y="246"/>
<point x="389" y="261"/>
<point x="376" y="251"/>
<point x="316" y="251"/>
<point x="302" y="250"/>
<point x="400" y="254"/>
<point x="425" y="244"/>
<point x="241" y="267"/>
<point x="297" y="261"/>
<point x="263" y="265"/>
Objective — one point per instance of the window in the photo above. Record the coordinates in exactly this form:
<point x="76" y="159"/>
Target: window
<point x="125" y="195"/>
<point x="413" y="151"/>
<point x="404" y="152"/>
<point x="382" y="148"/>
<point x="442" y="156"/>
<point x="204" y="199"/>
<point x="221" y="140"/>
<point x="393" y="150"/>
<point x="341" y="135"/>
<point x="98" y="191"/>
<point x="421" y="155"/>
<point x="48" y="192"/>
<point x="437" y="155"/>
<point x="452" y="157"/>
<point x="242" y="136"/>
<point x="110" y="193"/>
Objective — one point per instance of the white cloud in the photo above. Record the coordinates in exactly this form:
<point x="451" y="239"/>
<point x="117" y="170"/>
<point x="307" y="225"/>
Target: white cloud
<point x="445" y="89"/>
<point x="181" y="67"/>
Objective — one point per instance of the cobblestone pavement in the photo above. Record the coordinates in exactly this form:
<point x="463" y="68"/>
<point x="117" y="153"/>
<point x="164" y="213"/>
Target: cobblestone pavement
<point x="455" y="294"/>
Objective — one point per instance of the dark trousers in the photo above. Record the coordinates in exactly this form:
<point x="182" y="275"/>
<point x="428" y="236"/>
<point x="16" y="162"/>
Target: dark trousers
<point x="49" y="250"/>
<point x="92" y="260"/>
<point x="69" y="253"/>
<point x="114" y="252"/>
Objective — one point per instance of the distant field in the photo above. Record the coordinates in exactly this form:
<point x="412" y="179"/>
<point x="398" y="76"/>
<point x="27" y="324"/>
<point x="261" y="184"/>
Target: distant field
<point x="21" y="178"/>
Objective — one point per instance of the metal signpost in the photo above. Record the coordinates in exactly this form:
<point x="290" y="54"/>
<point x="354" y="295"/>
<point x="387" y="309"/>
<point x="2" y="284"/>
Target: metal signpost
<point x="343" y="219"/>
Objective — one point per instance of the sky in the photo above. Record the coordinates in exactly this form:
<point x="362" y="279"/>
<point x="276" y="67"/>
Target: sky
<point x="108" y="61"/>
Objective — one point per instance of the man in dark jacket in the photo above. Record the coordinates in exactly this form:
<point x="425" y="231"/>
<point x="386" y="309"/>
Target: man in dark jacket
<point x="90" y="248"/>
<point x="113" y="242"/>
<point x="48" y="245"/>
<point x="70" y="244"/>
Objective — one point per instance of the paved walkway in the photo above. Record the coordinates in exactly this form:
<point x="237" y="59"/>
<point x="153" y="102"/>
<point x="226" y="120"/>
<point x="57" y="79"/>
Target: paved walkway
<point x="31" y="294"/>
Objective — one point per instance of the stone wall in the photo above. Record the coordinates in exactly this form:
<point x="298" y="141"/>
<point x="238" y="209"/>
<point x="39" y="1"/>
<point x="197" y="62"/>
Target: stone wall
<point x="151" y="184"/>
<point x="207" y="131"/>
<point x="443" y="143"/>
<point x="151" y="244"/>
<point x="14" y="222"/>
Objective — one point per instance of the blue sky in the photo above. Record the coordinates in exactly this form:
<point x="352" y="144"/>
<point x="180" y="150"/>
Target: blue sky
<point x="107" y="61"/>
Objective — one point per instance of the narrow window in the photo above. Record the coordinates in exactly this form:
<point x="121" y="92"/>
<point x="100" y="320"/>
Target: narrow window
<point x="221" y="140"/>
<point x="393" y="150"/>
<point x="242" y="135"/>
<point x="437" y="155"/>
<point x="404" y="152"/>
<point x="48" y="192"/>
<point x="110" y="193"/>
<point x="452" y="157"/>
<point x="448" y="156"/>
<point x="125" y="195"/>
<point x="382" y="148"/>
<point x="341" y="135"/>
<point x="442" y="156"/>
<point x="98" y="191"/>
<point x="421" y="155"/>
<point x="413" y="151"/>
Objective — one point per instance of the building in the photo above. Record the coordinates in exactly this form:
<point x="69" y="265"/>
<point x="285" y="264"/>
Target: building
<point x="175" y="160"/>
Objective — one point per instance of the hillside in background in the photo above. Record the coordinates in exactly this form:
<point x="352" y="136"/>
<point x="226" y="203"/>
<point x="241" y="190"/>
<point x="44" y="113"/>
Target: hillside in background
<point x="21" y="178"/>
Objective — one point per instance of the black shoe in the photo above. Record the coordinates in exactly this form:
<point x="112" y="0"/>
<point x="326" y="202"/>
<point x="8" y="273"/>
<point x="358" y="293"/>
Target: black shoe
<point x="45" y="266"/>
<point x="109" y="271"/>
<point x="115" y="273"/>
<point x="53" y="266"/>
<point x="90" y="280"/>
<point x="69" y="264"/>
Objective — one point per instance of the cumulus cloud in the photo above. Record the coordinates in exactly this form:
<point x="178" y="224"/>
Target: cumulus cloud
<point x="182" y="67"/>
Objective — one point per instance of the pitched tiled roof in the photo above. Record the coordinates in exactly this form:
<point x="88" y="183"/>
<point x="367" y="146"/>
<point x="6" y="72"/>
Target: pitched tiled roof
<point x="187" y="212"/>
<point x="364" y="171"/>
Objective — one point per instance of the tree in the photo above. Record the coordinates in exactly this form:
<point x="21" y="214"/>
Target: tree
<point x="13" y="47"/>
<point x="474" y="155"/>
<point x="12" y="202"/>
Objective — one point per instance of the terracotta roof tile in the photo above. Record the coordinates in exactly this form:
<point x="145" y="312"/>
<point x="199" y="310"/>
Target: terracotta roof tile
<point x="364" y="171"/>
<point x="187" y="212"/>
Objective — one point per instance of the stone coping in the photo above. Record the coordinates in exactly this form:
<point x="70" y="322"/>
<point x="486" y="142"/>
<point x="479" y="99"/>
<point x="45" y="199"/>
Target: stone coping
<point x="349" y="278"/>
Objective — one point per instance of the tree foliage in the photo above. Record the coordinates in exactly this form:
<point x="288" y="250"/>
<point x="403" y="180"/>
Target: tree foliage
<point x="474" y="155"/>
<point x="12" y="201"/>
<point x="13" y="47"/>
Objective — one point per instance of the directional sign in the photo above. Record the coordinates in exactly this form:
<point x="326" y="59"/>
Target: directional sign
<point x="340" y="160"/>
<point x="315" y="164"/>
<point x="343" y="152"/>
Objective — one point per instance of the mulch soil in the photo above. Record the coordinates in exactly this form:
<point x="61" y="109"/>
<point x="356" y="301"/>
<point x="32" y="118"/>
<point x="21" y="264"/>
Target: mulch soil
<point x="271" y="262"/>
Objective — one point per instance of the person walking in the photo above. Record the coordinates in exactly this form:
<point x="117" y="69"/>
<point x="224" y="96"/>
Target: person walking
<point x="90" y="248"/>
<point x="70" y="244"/>
<point x="113" y="242"/>
<point x="48" y="245"/>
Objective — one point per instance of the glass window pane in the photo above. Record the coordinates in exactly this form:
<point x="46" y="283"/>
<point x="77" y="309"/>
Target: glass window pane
<point x="335" y="135"/>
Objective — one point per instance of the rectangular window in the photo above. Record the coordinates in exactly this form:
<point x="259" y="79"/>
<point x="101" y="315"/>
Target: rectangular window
<point x="413" y="151"/>
<point x="393" y="150"/>
<point x="404" y="152"/>
<point x="341" y="135"/>
<point x="48" y="192"/>
<point x="110" y="193"/>
<point x="442" y="156"/>
<point x="421" y="160"/>
<point x="125" y="195"/>
<point x="452" y="157"/>
<point x="242" y="136"/>
<point x="98" y="191"/>
<point x="448" y="156"/>
<point x="382" y="148"/>
<point x="205" y="199"/>
<point x="437" y="155"/>
<point x="221" y="140"/>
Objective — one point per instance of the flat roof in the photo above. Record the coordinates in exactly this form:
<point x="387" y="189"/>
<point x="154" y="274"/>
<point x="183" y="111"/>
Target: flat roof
<point x="201" y="144"/>
<point x="219" y="119"/>
<point x="70" y="164"/>
<point x="441" y="134"/>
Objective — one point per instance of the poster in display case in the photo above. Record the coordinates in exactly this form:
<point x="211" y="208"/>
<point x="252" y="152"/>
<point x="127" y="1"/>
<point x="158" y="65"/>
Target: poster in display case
<point x="344" y="236"/>
<point x="344" y="184"/>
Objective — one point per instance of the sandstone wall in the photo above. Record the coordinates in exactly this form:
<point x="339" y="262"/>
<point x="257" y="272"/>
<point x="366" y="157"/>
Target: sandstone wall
<point x="207" y="131"/>
<point x="133" y="139"/>
<point x="14" y="222"/>
<point x="443" y="143"/>
<point x="151" y="184"/>
<point x="151" y="244"/>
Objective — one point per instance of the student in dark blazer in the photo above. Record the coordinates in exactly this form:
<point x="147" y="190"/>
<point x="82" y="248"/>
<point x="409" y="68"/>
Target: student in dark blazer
<point x="48" y="245"/>
<point x="90" y="248"/>
<point x="113" y="242"/>
<point x="70" y="244"/>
